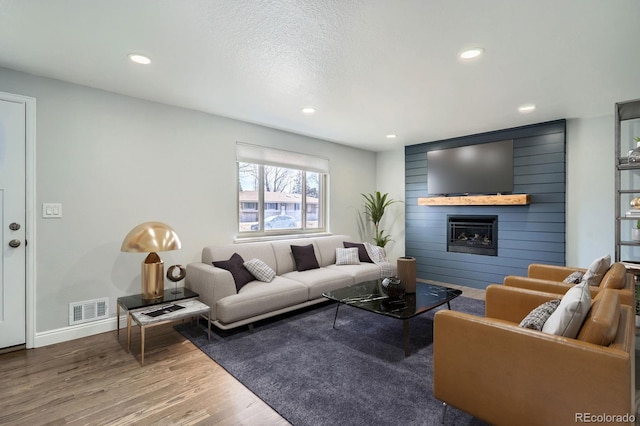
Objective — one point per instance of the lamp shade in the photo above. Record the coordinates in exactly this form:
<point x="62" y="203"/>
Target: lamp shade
<point x="151" y="237"/>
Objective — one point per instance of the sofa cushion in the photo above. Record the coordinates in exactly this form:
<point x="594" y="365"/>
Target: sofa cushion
<point x="616" y="277"/>
<point x="570" y="314"/>
<point x="258" y="298"/>
<point x="538" y="316"/>
<point x="235" y="265"/>
<point x="601" y="325"/>
<point x="260" y="270"/>
<point x="360" y="273"/>
<point x="347" y="256"/>
<point x="574" y="277"/>
<point x="362" y="251"/>
<point x="321" y="280"/>
<point x="304" y="257"/>
<point x="597" y="269"/>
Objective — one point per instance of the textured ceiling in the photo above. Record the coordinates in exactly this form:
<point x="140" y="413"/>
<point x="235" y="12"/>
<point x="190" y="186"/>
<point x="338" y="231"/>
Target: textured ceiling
<point x="370" y="67"/>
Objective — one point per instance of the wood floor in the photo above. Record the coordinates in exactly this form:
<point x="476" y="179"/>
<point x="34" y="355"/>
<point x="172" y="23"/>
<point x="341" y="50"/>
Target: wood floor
<point x="95" y="381"/>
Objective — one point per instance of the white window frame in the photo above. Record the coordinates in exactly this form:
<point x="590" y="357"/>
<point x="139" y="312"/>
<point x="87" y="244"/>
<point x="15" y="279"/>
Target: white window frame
<point x="265" y="156"/>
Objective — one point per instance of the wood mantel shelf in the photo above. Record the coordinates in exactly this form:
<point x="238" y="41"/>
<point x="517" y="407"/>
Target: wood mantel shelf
<point x="477" y="200"/>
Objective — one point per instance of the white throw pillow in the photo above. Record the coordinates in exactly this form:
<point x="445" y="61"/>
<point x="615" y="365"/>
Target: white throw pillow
<point x="574" y="306"/>
<point x="347" y="256"/>
<point x="596" y="271"/>
<point x="260" y="270"/>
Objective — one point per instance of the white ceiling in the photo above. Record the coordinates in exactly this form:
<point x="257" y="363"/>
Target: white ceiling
<point x="370" y="67"/>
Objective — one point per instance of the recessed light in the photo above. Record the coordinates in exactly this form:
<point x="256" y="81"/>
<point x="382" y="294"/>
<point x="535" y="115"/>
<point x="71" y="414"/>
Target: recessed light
<point x="472" y="53"/>
<point x="392" y="136"/>
<point x="139" y="59"/>
<point x="526" y="108"/>
<point x="308" y="110"/>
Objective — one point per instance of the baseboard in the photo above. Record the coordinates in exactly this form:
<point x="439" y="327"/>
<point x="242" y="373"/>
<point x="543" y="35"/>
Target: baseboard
<point x="78" y="331"/>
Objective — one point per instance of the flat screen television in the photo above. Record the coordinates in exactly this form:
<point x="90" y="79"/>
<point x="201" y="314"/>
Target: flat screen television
<point x="473" y="169"/>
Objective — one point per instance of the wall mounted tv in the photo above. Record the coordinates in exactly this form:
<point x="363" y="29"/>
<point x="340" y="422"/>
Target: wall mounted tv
<point x="473" y="169"/>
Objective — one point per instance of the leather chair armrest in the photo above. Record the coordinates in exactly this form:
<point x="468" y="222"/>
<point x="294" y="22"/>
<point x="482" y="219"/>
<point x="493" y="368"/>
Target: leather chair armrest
<point x="551" y="272"/>
<point x="627" y="296"/>
<point x="504" y="374"/>
<point x="513" y="304"/>
<point x="538" y="284"/>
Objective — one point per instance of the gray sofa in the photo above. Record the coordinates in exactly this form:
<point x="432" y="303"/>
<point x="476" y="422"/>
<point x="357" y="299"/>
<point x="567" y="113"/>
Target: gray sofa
<point x="289" y="290"/>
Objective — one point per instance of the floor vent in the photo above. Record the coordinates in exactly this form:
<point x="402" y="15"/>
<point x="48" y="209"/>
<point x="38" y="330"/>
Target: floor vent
<point x="89" y="310"/>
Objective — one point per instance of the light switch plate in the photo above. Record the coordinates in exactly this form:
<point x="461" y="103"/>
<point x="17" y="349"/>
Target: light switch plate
<point x="51" y="210"/>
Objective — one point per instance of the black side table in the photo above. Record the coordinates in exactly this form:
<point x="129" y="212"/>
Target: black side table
<point x="136" y="302"/>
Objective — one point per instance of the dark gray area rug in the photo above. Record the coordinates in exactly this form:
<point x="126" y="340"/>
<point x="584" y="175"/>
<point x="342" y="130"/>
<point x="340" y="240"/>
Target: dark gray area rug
<point x="356" y="374"/>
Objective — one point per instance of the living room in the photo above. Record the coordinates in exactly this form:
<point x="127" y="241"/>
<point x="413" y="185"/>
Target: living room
<point x="115" y="155"/>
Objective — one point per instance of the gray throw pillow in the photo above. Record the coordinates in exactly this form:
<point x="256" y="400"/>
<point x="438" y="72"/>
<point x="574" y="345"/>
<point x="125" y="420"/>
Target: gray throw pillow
<point x="536" y="318"/>
<point x="574" y="277"/>
<point x="260" y="270"/>
<point x="597" y="269"/>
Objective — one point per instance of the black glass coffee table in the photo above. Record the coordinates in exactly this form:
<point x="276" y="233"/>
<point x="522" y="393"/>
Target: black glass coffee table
<point x="370" y="297"/>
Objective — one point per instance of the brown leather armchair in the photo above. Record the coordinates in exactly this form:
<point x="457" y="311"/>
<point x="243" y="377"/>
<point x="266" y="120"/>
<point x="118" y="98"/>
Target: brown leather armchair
<point x="549" y="278"/>
<point x="507" y="375"/>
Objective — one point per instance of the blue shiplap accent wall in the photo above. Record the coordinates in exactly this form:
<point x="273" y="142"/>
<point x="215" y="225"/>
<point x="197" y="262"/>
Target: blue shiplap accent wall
<point x="526" y="234"/>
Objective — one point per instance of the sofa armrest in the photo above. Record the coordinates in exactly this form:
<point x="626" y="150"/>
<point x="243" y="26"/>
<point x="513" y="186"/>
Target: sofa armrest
<point x="513" y="304"/>
<point x="507" y="375"/>
<point x="211" y="283"/>
<point x="551" y="272"/>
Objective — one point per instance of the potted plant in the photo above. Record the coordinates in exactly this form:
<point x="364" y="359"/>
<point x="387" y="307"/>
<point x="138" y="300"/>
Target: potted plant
<point x="375" y="206"/>
<point x="635" y="232"/>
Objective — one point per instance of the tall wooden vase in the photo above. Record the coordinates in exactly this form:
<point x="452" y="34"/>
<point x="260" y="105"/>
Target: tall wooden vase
<point x="407" y="273"/>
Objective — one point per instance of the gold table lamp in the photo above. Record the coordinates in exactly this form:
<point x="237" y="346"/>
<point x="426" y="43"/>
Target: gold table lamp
<point x="151" y="237"/>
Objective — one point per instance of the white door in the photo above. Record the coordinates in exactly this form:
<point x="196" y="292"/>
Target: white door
<point x="12" y="220"/>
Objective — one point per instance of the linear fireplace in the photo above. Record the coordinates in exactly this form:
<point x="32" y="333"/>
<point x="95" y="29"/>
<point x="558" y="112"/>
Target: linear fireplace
<point x="473" y="234"/>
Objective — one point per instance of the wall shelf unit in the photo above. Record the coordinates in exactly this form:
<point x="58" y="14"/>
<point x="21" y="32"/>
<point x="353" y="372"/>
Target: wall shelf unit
<point x="627" y="179"/>
<point x="477" y="200"/>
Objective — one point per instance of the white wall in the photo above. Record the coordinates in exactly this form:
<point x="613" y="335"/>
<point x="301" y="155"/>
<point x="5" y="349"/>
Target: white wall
<point x="590" y="189"/>
<point x="390" y="179"/>
<point x="115" y="161"/>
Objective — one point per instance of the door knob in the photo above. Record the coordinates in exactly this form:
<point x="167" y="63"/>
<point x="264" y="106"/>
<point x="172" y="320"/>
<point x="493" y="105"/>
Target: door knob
<point x="14" y="243"/>
<point x="14" y="226"/>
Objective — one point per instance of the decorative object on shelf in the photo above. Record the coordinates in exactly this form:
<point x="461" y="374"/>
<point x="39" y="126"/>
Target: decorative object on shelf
<point x="151" y="237"/>
<point x="171" y="276"/>
<point x="634" y="154"/>
<point x="407" y="273"/>
<point x="392" y="287"/>
<point x="635" y="232"/>
<point x="635" y="203"/>
<point x="375" y="206"/>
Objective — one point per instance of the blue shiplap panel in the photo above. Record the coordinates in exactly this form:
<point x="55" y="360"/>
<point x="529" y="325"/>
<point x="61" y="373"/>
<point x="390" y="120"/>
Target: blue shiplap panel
<point x="526" y="234"/>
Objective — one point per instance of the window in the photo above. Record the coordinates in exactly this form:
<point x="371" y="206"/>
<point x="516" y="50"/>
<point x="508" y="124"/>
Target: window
<point x="280" y="192"/>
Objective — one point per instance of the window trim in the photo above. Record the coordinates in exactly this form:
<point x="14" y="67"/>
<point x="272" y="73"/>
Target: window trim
<point x="264" y="156"/>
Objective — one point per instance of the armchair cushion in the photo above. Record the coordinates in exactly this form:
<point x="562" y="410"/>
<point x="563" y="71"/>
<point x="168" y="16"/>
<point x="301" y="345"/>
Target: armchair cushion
<point x="597" y="269"/>
<point x="535" y="319"/>
<point x="574" y="278"/>
<point x="601" y="324"/>
<point x="568" y="318"/>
